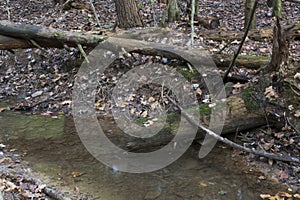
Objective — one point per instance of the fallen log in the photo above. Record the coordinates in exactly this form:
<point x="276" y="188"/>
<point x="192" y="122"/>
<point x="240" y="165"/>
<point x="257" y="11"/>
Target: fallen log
<point x="22" y="36"/>
<point x="239" y="116"/>
<point x="43" y="36"/>
<point x="250" y="62"/>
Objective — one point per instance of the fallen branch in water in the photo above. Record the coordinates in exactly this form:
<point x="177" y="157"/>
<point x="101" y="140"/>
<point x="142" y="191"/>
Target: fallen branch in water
<point x="232" y="144"/>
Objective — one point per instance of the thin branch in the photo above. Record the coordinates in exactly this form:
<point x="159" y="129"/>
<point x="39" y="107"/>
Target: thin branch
<point x="294" y="1"/>
<point x="242" y="42"/>
<point x="83" y="53"/>
<point x="192" y="23"/>
<point x="8" y="10"/>
<point x="232" y="144"/>
<point x="95" y="13"/>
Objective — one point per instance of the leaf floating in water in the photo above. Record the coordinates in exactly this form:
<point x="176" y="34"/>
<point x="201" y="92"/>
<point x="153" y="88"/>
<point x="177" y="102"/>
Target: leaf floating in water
<point x="76" y="174"/>
<point x="202" y="185"/>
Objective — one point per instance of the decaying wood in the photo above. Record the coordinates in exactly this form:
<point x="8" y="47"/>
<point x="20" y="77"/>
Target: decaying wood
<point x="250" y="62"/>
<point x="43" y="36"/>
<point x="238" y="119"/>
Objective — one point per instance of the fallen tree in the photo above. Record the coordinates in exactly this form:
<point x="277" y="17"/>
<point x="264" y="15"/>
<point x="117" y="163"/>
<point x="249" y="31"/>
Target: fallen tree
<point x="28" y="36"/>
<point x="22" y="36"/>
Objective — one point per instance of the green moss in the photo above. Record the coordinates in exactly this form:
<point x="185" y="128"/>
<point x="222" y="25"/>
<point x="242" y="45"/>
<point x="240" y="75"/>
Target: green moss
<point x="187" y="73"/>
<point x="253" y="57"/>
<point x="248" y="96"/>
<point x="141" y="120"/>
<point x="204" y="109"/>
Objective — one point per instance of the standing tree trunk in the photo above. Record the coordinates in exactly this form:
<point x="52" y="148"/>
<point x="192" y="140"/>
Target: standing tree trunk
<point x="128" y="15"/>
<point x="248" y="7"/>
<point x="189" y="9"/>
<point x="280" y="51"/>
<point x="173" y="11"/>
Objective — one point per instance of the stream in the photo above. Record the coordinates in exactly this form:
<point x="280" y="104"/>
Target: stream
<point x="56" y="155"/>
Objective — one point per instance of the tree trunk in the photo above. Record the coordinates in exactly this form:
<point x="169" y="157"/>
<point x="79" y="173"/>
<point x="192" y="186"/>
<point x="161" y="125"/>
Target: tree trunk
<point x="248" y="7"/>
<point x="128" y="15"/>
<point x="280" y="51"/>
<point x="173" y="11"/>
<point x="189" y="9"/>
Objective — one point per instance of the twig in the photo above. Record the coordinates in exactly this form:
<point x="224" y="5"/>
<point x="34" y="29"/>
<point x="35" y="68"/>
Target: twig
<point x="242" y="42"/>
<point x="225" y="46"/>
<point x="232" y="144"/>
<point x="83" y="53"/>
<point x="192" y="23"/>
<point x="294" y="1"/>
<point x="8" y="11"/>
<point x="95" y="13"/>
<point x="66" y="3"/>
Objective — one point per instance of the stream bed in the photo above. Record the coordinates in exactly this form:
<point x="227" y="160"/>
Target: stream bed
<point x="56" y="155"/>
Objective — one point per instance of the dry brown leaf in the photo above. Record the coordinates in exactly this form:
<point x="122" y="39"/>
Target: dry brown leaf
<point x="283" y="175"/>
<point x="297" y="113"/>
<point x="269" y="145"/>
<point x="270" y="93"/>
<point x="265" y="196"/>
<point x="279" y="135"/>
<point x="297" y="196"/>
<point x="76" y="174"/>
<point x="284" y="194"/>
<point x="297" y="76"/>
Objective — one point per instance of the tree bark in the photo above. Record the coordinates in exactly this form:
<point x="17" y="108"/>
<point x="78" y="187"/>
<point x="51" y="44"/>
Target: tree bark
<point x="189" y="9"/>
<point x="280" y="51"/>
<point x="173" y="11"/>
<point x="128" y="15"/>
<point x="27" y="36"/>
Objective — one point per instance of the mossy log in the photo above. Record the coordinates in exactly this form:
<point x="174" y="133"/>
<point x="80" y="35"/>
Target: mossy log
<point x="250" y="62"/>
<point x="238" y="119"/>
<point x="240" y="115"/>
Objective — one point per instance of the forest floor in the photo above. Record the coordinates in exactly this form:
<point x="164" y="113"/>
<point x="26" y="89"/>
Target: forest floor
<point x="41" y="80"/>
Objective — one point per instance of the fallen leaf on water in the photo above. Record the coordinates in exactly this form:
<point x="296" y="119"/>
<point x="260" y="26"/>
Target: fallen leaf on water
<point x="202" y="185"/>
<point x="76" y="174"/>
<point x="5" y="160"/>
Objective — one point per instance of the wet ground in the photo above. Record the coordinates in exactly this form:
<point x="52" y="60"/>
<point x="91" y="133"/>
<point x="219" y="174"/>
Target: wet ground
<point x="56" y="155"/>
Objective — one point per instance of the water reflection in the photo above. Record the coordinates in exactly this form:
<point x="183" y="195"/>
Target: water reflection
<point x="55" y="151"/>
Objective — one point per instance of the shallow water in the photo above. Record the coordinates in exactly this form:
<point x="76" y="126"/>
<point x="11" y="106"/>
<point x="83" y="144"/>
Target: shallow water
<point x="56" y="154"/>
